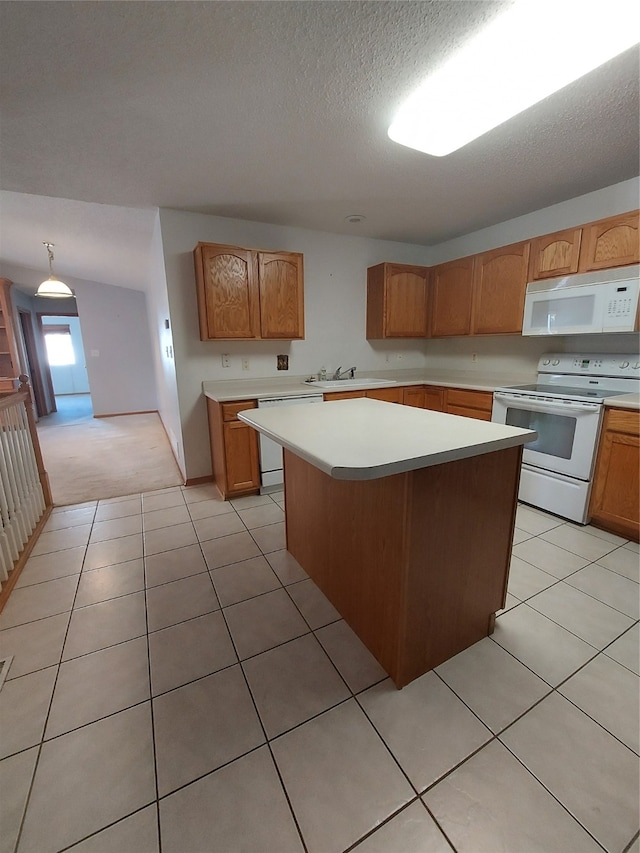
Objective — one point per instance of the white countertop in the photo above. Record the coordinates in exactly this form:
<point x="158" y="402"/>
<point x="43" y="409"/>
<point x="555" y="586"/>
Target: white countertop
<point x="624" y="401"/>
<point x="364" y="439"/>
<point x="226" y="390"/>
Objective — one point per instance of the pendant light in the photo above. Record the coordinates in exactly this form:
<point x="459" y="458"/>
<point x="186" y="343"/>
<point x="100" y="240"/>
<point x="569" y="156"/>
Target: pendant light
<point x="53" y="287"/>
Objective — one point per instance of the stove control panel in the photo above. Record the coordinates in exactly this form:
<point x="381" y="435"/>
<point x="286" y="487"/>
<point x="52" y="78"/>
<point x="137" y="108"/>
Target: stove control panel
<point x="596" y="364"/>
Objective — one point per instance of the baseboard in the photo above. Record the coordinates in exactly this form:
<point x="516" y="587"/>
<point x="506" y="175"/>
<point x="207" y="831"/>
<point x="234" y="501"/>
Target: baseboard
<point x="124" y="414"/>
<point x="198" y="481"/>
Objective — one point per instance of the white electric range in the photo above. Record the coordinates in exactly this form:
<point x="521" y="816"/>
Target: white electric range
<point x="565" y="407"/>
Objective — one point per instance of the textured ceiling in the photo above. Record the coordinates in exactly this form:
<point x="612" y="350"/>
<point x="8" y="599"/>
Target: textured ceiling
<point x="271" y="111"/>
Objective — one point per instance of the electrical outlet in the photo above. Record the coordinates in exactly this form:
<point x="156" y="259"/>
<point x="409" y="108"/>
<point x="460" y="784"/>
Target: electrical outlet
<point x="226" y="361"/>
<point x="245" y="364"/>
<point x="387" y="357"/>
<point x="474" y="356"/>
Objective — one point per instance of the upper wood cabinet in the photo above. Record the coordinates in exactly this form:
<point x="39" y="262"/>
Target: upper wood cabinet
<point x="451" y="293"/>
<point x="397" y="301"/>
<point x="245" y="294"/>
<point x="612" y="242"/>
<point x="280" y="276"/>
<point x="555" y="254"/>
<point x="499" y="284"/>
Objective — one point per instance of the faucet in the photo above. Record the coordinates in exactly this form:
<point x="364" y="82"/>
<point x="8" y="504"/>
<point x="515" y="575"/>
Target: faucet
<point x="339" y="373"/>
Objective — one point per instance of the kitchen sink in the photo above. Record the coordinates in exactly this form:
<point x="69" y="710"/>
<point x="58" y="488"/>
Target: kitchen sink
<point x="351" y="383"/>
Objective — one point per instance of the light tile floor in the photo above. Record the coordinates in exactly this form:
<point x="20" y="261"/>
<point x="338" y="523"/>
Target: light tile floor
<point x="180" y="685"/>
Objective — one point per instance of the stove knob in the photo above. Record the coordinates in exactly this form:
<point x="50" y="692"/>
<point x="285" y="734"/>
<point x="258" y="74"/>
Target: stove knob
<point x="624" y="364"/>
<point x="636" y="366"/>
<point x="555" y="362"/>
<point x="547" y="361"/>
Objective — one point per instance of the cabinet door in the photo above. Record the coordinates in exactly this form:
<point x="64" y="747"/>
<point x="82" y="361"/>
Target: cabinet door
<point x="226" y="278"/>
<point x="612" y="242"/>
<point x="281" y="278"/>
<point x="387" y="395"/>
<point x="452" y="288"/>
<point x="397" y="301"/>
<point x="500" y="281"/>
<point x="241" y="457"/>
<point x="406" y="301"/>
<point x="434" y="398"/>
<point x="555" y="254"/>
<point x="615" y="499"/>
<point x="413" y="395"/>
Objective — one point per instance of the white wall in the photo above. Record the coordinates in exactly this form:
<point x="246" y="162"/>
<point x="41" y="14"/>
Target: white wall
<point x="335" y="309"/>
<point x="115" y="329"/>
<point x="162" y="348"/>
<point x="70" y="378"/>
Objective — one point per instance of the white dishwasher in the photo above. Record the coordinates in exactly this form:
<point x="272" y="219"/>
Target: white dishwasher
<point x="271" y="474"/>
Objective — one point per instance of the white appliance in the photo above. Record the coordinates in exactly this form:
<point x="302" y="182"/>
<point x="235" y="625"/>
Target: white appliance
<point x="271" y="470"/>
<point x="565" y="408"/>
<point x="605" y="301"/>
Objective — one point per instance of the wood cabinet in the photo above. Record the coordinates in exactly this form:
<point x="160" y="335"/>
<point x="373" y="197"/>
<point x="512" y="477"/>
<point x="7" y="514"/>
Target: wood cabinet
<point x="248" y="294"/>
<point x="393" y="394"/>
<point x="612" y="242"/>
<point x="413" y="395"/>
<point x="343" y="395"/>
<point x="469" y="404"/>
<point x="9" y="361"/>
<point x="434" y="398"/>
<point x="451" y="295"/>
<point x="615" y="496"/>
<point x="555" y="254"/>
<point x="234" y="449"/>
<point x="397" y="301"/>
<point x="499" y="285"/>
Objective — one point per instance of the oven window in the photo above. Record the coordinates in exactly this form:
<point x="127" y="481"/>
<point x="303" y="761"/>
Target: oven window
<point x="555" y="432"/>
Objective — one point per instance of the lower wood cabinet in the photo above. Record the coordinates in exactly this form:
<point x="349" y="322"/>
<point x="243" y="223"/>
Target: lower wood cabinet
<point x="469" y="404"/>
<point x="434" y="398"/>
<point x="234" y="449"/>
<point x="394" y="394"/>
<point x="615" y="497"/>
<point x="413" y="395"/>
<point x="343" y="395"/>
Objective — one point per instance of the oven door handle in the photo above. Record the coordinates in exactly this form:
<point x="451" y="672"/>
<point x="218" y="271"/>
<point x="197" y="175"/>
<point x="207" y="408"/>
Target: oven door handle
<point x="537" y="405"/>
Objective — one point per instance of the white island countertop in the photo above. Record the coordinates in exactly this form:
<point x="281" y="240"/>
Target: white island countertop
<point x="364" y="439"/>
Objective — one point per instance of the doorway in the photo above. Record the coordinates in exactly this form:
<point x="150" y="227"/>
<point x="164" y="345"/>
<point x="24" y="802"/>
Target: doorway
<point x="68" y="377"/>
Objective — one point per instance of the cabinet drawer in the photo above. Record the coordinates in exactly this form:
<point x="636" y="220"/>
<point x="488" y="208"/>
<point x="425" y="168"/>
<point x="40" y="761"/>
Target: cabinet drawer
<point x="343" y="395"/>
<point x="622" y="420"/>
<point x="387" y="395"/>
<point x="230" y="410"/>
<point x="481" y="400"/>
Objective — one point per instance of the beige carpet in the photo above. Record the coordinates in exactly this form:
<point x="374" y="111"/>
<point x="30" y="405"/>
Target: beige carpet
<point x="107" y="457"/>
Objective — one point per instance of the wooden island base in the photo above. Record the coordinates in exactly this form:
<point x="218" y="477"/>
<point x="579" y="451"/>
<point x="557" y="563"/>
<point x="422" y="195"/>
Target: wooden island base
<point x="416" y="563"/>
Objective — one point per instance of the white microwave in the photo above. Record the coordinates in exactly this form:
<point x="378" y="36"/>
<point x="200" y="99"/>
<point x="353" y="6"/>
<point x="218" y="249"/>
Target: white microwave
<point x="583" y="304"/>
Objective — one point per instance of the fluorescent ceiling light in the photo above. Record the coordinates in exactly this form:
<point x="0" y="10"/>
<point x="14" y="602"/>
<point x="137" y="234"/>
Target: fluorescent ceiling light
<point x="535" y="48"/>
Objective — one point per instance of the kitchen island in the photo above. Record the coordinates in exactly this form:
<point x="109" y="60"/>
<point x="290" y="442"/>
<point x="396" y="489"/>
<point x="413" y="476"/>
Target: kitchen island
<point x="404" y="518"/>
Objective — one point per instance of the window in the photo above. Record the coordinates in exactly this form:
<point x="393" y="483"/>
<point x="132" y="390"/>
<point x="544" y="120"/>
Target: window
<point x="59" y="345"/>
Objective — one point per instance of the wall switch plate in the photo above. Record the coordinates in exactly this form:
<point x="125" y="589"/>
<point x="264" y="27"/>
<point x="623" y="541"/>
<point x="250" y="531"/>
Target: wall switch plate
<point x="283" y="362"/>
<point x="245" y="364"/>
<point x="226" y="361"/>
